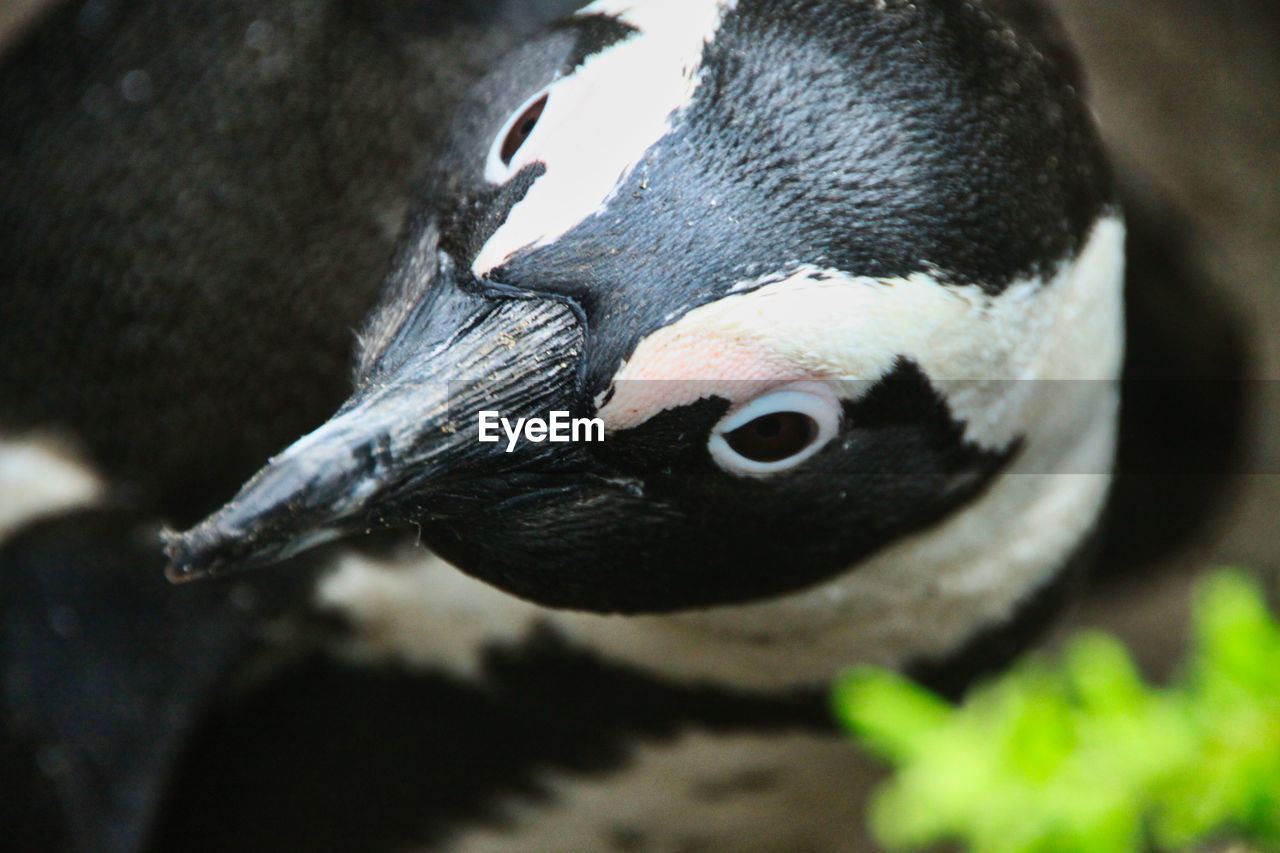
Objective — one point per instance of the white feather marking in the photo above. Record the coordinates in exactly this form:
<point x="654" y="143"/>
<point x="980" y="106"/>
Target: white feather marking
<point x="423" y="612"/>
<point x="825" y="324"/>
<point x="600" y="121"/>
<point x="41" y="477"/>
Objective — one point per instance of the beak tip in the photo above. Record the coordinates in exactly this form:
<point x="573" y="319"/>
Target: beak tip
<point x="176" y="574"/>
<point x="193" y="555"/>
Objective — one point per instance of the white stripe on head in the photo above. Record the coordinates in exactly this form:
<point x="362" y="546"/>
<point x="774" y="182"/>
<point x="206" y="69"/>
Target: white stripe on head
<point x="422" y="612"/>
<point x="828" y="325"/>
<point x="40" y="477"/>
<point x="600" y="120"/>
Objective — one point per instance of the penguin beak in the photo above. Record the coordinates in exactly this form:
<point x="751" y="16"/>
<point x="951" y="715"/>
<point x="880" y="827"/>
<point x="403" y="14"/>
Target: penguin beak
<point x="406" y="446"/>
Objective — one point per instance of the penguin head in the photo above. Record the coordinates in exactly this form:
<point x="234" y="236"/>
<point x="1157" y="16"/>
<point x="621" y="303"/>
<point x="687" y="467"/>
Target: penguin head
<point x="825" y="272"/>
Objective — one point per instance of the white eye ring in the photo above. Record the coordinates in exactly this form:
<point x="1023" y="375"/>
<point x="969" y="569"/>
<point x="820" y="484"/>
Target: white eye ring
<point x="814" y="401"/>
<point x="504" y="160"/>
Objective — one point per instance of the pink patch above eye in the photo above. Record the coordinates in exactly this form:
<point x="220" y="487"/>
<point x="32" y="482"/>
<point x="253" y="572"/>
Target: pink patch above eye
<point x="672" y="370"/>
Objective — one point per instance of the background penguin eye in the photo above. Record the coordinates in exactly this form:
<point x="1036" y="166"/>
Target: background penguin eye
<point x="774" y="437"/>
<point x="503" y="154"/>
<point x="520" y="130"/>
<point x="777" y="431"/>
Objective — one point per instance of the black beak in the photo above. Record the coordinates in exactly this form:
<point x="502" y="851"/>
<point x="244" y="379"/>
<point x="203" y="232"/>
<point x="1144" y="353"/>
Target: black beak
<point x="406" y="443"/>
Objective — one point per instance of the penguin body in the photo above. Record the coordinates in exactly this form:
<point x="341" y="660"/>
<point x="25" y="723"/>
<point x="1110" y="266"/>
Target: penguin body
<point x="887" y="226"/>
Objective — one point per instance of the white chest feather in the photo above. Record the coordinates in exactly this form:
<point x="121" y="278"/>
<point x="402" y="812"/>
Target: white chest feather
<point x="40" y="477"/>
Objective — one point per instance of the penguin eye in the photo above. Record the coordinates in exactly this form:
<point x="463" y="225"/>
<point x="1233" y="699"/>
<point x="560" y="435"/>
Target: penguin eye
<point x="776" y="432"/>
<point x="519" y="132"/>
<point x="511" y="139"/>
<point x="773" y="437"/>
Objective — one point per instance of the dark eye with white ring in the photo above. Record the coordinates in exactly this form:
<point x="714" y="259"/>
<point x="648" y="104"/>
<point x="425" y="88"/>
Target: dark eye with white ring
<point x="773" y="437"/>
<point x="503" y="159"/>
<point x="777" y="431"/>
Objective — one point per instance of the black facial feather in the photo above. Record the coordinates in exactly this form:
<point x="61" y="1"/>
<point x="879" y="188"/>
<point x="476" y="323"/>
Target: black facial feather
<point x="593" y="34"/>
<point x="672" y="439"/>
<point x="468" y="221"/>
<point x="425" y="17"/>
<point x="690" y="534"/>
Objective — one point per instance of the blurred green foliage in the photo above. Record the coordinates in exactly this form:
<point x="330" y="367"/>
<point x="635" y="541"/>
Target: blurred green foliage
<point x="1081" y="756"/>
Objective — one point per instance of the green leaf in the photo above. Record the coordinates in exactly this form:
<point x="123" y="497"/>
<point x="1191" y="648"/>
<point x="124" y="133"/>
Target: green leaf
<point x="1082" y="756"/>
<point x="889" y="713"/>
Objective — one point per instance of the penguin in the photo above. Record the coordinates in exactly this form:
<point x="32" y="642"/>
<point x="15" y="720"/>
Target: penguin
<point x="840" y="283"/>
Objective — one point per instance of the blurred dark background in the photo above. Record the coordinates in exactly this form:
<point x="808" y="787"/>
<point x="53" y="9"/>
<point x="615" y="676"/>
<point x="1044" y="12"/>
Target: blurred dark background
<point x="1188" y="96"/>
